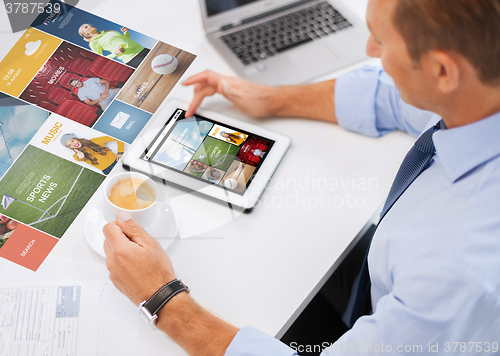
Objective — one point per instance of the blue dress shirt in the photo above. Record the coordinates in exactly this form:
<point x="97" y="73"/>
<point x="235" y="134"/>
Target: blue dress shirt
<point x="435" y="259"/>
<point x="92" y="89"/>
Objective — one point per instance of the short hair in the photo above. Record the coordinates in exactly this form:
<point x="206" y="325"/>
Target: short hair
<point x="469" y="28"/>
<point x="80" y="32"/>
<point x="80" y="29"/>
<point x="71" y="81"/>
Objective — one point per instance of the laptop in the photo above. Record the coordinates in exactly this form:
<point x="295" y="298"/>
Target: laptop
<point x="282" y="42"/>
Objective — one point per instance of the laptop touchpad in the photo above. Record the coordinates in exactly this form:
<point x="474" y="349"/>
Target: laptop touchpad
<point x="311" y="57"/>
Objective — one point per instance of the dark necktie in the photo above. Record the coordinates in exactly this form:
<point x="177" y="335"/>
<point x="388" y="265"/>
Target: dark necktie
<point x="416" y="161"/>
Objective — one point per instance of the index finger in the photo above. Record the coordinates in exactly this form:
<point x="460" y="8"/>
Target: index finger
<point x="198" y="98"/>
<point x="207" y="77"/>
<point x="197" y="78"/>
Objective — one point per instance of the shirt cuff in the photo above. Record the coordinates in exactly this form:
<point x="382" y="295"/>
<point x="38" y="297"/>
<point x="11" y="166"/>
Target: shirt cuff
<point x="252" y="342"/>
<point x="355" y="94"/>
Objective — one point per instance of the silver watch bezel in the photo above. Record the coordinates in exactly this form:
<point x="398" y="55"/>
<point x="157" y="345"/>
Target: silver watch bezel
<point x="147" y="317"/>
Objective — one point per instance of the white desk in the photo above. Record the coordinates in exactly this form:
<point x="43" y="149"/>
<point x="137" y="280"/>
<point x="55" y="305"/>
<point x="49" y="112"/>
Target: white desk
<point x="328" y="186"/>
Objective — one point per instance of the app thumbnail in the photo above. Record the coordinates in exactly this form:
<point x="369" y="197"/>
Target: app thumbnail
<point x="196" y="168"/>
<point x="216" y="153"/>
<point x="182" y="143"/>
<point x="76" y="84"/>
<point x="96" y="34"/>
<point x="122" y="121"/>
<point x="19" y="122"/>
<point x="253" y="151"/>
<point x="45" y="191"/>
<point x="7" y="227"/>
<point x="24" y="245"/>
<point x="79" y="144"/>
<point x="213" y="175"/>
<point x="156" y="76"/>
<point x="228" y="135"/>
<point x="24" y="60"/>
<point x="237" y="176"/>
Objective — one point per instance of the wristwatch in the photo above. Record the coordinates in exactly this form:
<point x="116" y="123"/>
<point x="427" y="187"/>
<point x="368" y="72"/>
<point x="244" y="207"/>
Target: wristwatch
<point x="149" y="308"/>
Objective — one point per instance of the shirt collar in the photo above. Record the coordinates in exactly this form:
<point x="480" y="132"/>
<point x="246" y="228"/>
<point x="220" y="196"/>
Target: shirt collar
<point x="102" y="33"/>
<point x="463" y="148"/>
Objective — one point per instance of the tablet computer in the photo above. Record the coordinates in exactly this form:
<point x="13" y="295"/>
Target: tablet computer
<point x="211" y="153"/>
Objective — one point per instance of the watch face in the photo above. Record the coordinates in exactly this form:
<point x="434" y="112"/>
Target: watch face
<point x="147" y="317"/>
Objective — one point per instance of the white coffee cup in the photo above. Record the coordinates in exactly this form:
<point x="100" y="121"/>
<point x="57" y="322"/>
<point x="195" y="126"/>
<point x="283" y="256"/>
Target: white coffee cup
<point x="133" y="193"/>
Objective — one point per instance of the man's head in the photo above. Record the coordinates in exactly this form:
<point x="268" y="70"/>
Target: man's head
<point x="434" y="49"/>
<point x="469" y="28"/>
<point x="75" y="83"/>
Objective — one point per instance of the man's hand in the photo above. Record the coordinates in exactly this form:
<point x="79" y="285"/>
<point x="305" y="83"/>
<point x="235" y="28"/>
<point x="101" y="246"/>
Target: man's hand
<point x="250" y="98"/>
<point x="124" y="30"/>
<point x="311" y="101"/>
<point x="138" y="266"/>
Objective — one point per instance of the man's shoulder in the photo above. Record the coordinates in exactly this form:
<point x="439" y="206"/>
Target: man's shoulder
<point x="91" y="81"/>
<point x="82" y="95"/>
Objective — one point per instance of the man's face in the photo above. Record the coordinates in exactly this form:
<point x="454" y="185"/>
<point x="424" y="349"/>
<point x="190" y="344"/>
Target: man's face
<point x="77" y="84"/>
<point x="386" y="43"/>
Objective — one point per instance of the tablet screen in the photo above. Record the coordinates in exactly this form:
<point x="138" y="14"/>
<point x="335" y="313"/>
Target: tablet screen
<point x="207" y="150"/>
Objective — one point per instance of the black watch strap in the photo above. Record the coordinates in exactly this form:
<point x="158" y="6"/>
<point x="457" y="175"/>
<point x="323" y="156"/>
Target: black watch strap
<point x="160" y="298"/>
<point x="164" y="294"/>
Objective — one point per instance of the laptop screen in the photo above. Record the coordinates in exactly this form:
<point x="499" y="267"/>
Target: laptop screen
<point x="215" y="7"/>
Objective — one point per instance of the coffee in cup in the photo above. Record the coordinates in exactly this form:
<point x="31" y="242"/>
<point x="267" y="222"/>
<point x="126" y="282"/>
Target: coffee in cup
<point x="132" y="193"/>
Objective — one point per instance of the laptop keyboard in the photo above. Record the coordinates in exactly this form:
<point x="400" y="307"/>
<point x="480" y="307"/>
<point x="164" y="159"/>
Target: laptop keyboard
<point x="256" y="43"/>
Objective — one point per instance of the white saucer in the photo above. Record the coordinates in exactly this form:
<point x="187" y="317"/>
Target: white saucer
<point x="94" y="222"/>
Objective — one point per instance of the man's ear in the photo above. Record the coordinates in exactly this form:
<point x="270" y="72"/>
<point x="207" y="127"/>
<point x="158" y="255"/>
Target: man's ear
<point x="445" y="69"/>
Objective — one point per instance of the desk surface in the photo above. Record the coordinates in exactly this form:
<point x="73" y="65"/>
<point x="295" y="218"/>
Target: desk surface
<point x="326" y="189"/>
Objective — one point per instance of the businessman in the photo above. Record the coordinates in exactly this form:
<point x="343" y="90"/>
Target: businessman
<point x="433" y="263"/>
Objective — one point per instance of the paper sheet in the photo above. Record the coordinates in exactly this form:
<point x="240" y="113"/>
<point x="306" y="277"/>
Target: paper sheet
<point x="67" y="307"/>
<point x="44" y="321"/>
